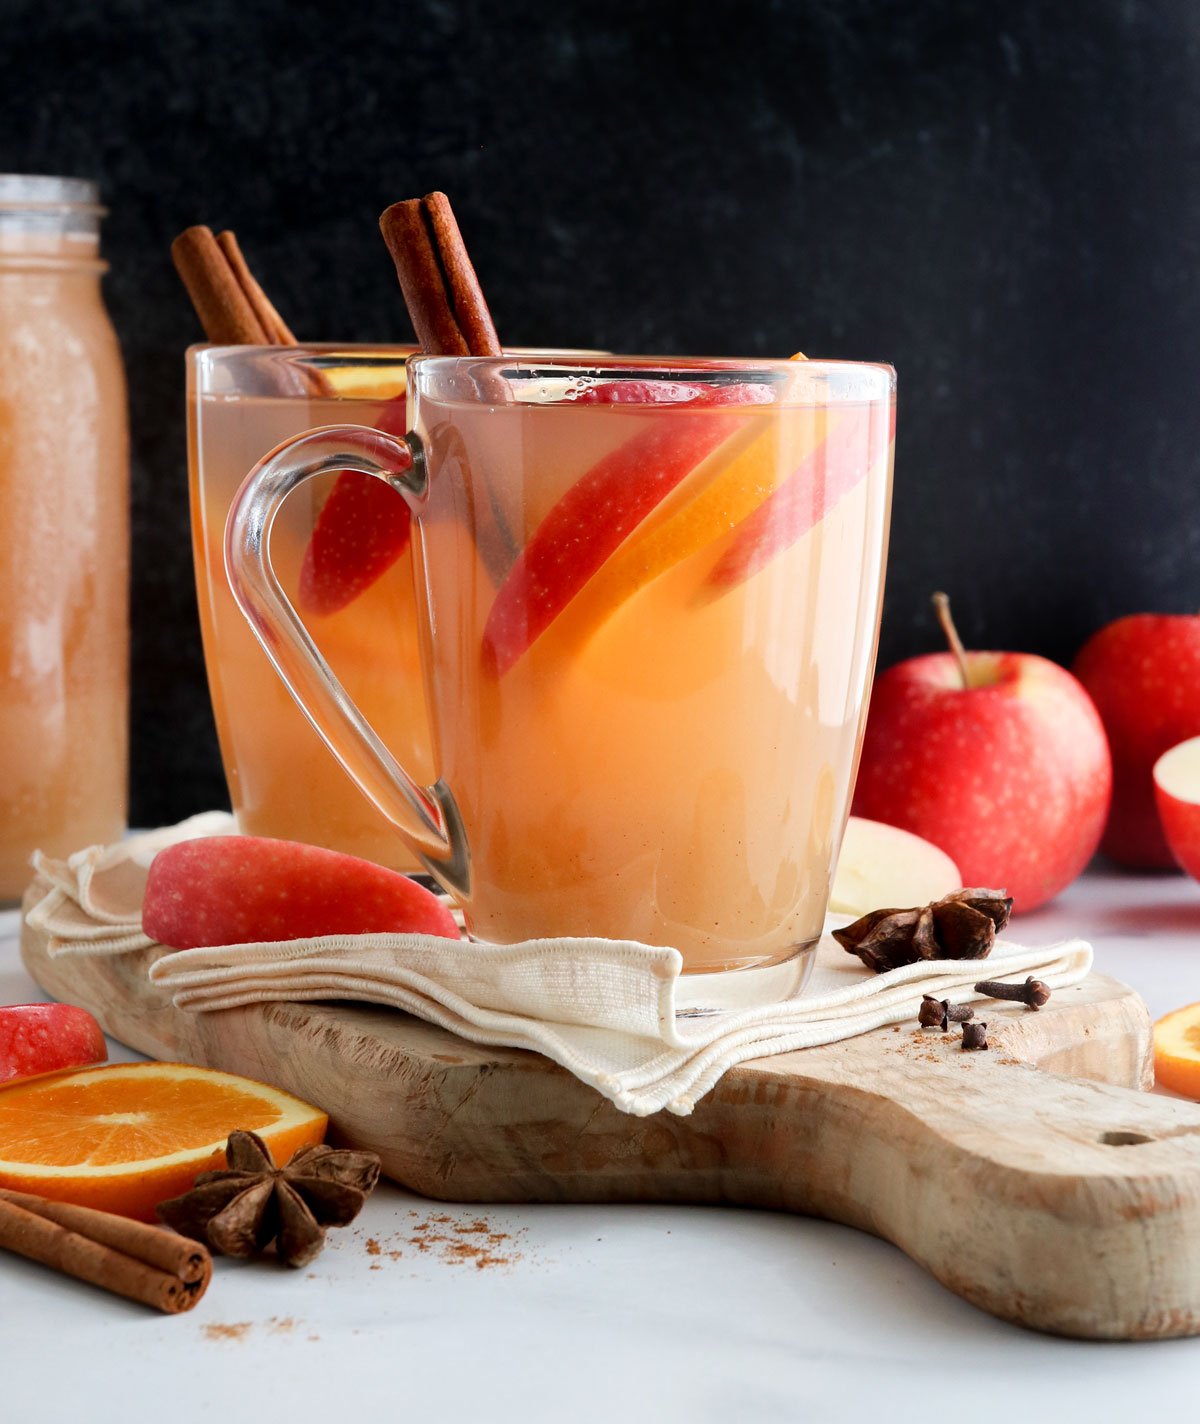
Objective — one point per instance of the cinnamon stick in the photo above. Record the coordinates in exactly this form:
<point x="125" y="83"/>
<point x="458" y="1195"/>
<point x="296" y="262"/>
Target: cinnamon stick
<point x="224" y="310"/>
<point x="131" y="1259"/>
<point x="442" y="293"/>
<point x="277" y="330"/>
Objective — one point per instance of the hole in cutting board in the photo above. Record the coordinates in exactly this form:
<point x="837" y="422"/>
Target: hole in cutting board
<point x="1124" y="1139"/>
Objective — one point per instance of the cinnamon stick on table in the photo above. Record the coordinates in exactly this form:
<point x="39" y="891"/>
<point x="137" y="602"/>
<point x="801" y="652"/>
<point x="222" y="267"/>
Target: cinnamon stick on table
<point x="440" y="287"/>
<point x="129" y="1258"/>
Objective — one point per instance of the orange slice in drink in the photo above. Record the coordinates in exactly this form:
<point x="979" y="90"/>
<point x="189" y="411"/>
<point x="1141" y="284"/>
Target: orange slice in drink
<point x="1177" y="1051"/>
<point x="125" y="1137"/>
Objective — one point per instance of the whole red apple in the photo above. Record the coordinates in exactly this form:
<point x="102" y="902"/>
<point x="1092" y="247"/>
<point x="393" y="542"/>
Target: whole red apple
<point x="1143" y="673"/>
<point x="998" y="758"/>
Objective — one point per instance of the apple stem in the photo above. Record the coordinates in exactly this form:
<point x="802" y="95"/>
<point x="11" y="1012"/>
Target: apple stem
<point x="941" y="605"/>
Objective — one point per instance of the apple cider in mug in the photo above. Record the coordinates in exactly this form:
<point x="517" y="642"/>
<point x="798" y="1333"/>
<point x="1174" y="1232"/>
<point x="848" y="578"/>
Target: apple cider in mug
<point x="282" y="781"/>
<point x="669" y="746"/>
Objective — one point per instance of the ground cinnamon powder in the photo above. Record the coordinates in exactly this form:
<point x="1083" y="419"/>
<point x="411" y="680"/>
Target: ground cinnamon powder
<point x="452" y="1240"/>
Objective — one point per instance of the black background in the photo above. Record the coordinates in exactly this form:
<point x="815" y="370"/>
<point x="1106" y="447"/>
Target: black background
<point x="1001" y="199"/>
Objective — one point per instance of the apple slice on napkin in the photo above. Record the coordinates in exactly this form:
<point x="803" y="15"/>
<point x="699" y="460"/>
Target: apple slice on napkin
<point x="246" y="889"/>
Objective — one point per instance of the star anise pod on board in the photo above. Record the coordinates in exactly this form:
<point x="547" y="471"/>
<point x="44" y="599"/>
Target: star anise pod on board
<point x="959" y="926"/>
<point x="241" y="1210"/>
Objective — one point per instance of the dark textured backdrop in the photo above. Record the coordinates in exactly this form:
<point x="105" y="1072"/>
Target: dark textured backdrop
<point x="1001" y="199"/>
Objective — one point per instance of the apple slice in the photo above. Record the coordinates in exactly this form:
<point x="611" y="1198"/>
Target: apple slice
<point x="1177" y="793"/>
<point x="854" y="446"/>
<point x="362" y="529"/>
<point x="45" y="1038"/>
<point x="727" y="492"/>
<point x="247" y="889"/>
<point x="599" y="512"/>
<point x="881" y="867"/>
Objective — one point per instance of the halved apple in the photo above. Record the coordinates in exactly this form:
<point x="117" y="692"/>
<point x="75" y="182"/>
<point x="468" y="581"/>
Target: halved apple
<point x="883" y="867"/>
<point x="1177" y="793"/>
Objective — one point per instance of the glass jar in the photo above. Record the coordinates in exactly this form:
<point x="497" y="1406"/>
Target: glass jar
<point x="64" y="567"/>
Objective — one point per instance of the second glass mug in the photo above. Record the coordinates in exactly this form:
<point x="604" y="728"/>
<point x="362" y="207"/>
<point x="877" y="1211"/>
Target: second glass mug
<point x="648" y="606"/>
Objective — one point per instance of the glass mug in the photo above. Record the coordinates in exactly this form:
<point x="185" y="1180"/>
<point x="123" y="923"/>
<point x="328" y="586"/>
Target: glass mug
<point x="243" y="400"/>
<point x="648" y="605"/>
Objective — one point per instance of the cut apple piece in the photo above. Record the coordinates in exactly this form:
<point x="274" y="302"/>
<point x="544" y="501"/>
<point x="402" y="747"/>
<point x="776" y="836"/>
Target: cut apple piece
<point x="854" y="446"/>
<point x="1177" y="793"/>
<point x="363" y="528"/>
<point x="599" y="512"/>
<point x="883" y="867"/>
<point x="722" y="500"/>
<point x="246" y="889"/>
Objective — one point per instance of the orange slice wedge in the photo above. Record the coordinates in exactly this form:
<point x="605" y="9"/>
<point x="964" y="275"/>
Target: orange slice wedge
<point x="1177" y="1051"/>
<point x="125" y="1137"/>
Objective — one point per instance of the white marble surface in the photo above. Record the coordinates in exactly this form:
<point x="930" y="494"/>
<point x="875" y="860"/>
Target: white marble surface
<point x="601" y="1313"/>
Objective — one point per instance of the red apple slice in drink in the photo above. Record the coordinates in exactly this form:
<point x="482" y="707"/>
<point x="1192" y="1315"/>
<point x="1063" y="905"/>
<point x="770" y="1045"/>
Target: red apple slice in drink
<point x="856" y="442"/>
<point x="728" y="488"/>
<point x="363" y="528"/>
<point x="599" y="512"/>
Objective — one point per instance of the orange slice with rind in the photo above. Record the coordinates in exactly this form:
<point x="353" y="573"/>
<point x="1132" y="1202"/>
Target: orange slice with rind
<point x="1177" y="1051"/>
<point x="124" y="1137"/>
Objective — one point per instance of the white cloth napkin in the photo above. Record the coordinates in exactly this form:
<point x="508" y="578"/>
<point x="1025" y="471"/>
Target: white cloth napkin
<point x="620" y="1015"/>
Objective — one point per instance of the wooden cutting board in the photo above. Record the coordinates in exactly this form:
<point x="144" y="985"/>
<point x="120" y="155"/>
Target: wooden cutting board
<point x="1036" y="1180"/>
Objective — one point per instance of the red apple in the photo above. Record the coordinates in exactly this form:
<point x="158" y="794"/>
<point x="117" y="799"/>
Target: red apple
<point x="998" y="758"/>
<point x="43" y="1038"/>
<point x="246" y="889"/>
<point x="1177" y="793"/>
<point x="1143" y="673"/>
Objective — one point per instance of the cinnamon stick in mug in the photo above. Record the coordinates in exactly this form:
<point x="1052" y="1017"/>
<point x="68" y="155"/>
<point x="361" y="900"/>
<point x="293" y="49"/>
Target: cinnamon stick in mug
<point x="225" y="312"/>
<point x="441" y="290"/>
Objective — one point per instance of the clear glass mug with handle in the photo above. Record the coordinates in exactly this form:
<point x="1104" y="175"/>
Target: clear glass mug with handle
<point x="354" y="588"/>
<point x="648" y="604"/>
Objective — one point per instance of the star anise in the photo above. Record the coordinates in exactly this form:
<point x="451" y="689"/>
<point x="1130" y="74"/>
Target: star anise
<point x="960" y="926"/>
<point x="240" y="1211"/>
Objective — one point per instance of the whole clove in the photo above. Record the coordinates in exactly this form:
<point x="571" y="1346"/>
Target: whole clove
<point x="975" y="1034"/>
<point x="1033" y="993"/>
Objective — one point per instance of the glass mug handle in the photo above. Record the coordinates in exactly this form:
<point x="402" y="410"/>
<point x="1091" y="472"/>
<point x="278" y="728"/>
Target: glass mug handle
<point x="426" y="817"/>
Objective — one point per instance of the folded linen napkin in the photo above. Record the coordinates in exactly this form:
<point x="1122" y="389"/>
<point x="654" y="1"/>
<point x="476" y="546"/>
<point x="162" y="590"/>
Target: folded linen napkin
<point x="620" y="1015"/>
